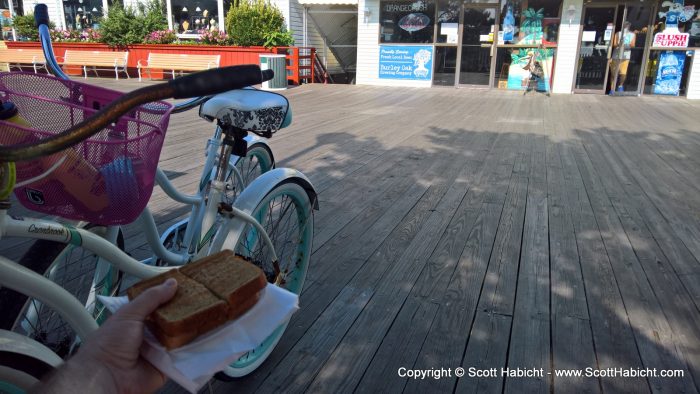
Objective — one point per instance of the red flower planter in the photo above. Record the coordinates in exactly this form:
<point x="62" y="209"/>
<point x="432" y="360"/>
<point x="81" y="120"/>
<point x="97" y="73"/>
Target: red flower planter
<point x="230" y="55"/>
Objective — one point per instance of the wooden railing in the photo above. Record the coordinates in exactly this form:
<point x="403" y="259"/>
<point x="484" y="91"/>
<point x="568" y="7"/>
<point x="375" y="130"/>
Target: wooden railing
<point x="321" y="73"/>
<point x="299" y="64"/>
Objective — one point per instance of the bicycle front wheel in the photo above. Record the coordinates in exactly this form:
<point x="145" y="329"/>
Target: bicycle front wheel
<point x="286" y="215"/>
<point x="71" y="267"/>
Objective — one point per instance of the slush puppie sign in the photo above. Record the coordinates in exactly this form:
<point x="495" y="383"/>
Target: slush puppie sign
<point x="406" y="62"/>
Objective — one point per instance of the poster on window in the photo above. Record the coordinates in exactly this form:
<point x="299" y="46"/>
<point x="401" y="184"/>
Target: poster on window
<point x="406" y="62"/>
<point x="669" y="73"/>
<point x="522" y="68"/>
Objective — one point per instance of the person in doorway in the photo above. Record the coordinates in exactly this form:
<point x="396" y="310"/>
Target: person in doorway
<point x="623" y="42"/>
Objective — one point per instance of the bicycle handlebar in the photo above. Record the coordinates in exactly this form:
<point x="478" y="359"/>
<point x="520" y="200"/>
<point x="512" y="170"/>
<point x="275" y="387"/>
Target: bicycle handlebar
<point x="41" y="17"/>
<point x="203" y="83"/>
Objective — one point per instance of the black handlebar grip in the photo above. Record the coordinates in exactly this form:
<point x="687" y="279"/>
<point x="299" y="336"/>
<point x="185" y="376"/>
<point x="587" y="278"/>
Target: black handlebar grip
<point x="216" y="81"/>
<point x="268" y="75"/>
<point x="41" y="15"/>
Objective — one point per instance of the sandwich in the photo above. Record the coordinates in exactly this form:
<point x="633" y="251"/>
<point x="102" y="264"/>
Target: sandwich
<point x="210" y="292"/>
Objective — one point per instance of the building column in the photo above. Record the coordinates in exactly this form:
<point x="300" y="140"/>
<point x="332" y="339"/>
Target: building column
<point x="567" y="46"/>
<point x="694" y="78"/>
<point x="169" y="12"/>
<point x="222" y="19"/>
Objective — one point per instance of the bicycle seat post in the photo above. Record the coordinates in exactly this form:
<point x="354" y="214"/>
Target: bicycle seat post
<point x="233" y="143"/>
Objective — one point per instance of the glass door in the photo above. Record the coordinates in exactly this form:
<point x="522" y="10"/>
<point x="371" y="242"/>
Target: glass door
<point x="628" y="55"/>
<point x="595" y="48"/>
<point x="446" y="42"/>
<point x="612" y="49"/>
<point x="477" y="45"/>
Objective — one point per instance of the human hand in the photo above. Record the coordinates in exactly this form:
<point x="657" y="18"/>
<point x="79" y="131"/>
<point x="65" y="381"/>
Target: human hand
<point x="109" y="360"/>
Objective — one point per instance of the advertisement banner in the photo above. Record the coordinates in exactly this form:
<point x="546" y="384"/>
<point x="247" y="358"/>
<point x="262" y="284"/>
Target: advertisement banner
<point x="406" y="62"/>
<point x="671" y="40"/>
<point x="669" y="73"/>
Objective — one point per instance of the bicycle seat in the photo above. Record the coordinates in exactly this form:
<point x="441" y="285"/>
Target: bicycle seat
<point x="249" y="109"/>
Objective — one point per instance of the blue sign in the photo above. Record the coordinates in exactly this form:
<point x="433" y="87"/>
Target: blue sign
<point x="669" y="73"/>
<point x="406" y="62"/>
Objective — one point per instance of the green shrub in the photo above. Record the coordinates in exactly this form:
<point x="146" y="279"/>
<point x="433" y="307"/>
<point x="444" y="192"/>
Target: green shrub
<point x="25" y="27"/>
<point x="126" y="26"/>
<point x="255" y="22"/>
<point x="279" y="39"/>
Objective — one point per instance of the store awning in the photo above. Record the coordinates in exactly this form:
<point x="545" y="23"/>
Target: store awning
<point x="328" y="2"/>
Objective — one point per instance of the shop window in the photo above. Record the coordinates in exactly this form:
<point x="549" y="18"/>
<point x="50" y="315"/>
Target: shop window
<point x="448" y="21"/>
<point x="409" y="22"/>
<point x="529" y="22"/>
<point x="82" y="14"/>
<point x="514" y="68"/>
<point x="667" y="73"/>
<point x="191" y="17"/>
<point x="680" y="16"/>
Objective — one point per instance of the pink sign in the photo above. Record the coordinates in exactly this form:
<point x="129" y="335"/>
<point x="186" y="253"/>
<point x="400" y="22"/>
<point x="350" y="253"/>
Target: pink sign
<point x="669" y="40"/>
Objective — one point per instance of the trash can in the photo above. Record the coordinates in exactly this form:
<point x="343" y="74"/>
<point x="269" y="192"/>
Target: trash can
<point x="278" y="64"/>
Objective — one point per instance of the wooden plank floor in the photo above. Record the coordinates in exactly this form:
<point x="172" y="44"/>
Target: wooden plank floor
<point x="480" y="229"/>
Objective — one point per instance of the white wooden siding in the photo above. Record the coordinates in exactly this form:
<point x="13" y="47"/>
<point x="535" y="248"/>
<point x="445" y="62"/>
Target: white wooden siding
<point x="694" y="79"/>
<point x="294" y="16"/>
<point x="565" y="66"/>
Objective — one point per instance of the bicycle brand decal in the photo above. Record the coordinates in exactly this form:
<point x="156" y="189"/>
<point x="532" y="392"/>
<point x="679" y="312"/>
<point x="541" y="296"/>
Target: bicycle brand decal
<point x="75" y="237"/>
<point x="36" y="197"/>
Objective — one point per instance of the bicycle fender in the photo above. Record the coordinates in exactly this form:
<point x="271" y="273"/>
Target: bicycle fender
<point x="11" y="342"/>
<point x="253" y="139"/>
<point x="263" y="184"/>
<point x="251" y="196"/>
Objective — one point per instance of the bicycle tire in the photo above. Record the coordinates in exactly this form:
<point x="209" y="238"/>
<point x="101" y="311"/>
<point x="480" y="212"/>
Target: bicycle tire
<point x="75" y="274"/>
<point x="293" y="250"/>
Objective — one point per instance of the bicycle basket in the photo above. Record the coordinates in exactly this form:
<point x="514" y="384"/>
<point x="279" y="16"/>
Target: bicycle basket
<point x="106" y="179"/>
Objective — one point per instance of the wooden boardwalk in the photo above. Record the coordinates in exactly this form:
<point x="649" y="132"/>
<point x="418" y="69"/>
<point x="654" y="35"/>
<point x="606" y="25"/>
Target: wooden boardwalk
<point x="482" y="229"/>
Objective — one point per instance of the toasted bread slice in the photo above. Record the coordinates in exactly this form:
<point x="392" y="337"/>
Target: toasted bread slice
<point x="210" y="292"/>
<point x="192" y="306"/>
<point x="230" y="278"/>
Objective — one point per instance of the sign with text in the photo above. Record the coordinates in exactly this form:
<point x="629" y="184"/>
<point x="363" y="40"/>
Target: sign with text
<point x="671" y="40"/>
<point x="406" y="62"/>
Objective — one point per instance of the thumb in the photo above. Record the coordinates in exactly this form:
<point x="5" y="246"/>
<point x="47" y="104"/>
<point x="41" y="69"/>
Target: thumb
<point x="149" y="300"/>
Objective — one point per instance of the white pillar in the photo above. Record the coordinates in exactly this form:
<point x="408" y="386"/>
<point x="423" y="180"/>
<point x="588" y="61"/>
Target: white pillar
<point x="169" y="11"/>
<point x="694" y="78"/>
<point x="222" y="20"/>
<point x="567" y="46"/>
<point x="61" y="23"/>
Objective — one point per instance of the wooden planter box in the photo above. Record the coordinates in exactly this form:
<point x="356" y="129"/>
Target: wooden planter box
<point x="230" y="55"/>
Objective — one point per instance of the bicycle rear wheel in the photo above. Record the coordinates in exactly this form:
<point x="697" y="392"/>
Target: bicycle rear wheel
<point x="72" y="268"/>
<point x="286" y="215"/>
<point x="257" y="161"/>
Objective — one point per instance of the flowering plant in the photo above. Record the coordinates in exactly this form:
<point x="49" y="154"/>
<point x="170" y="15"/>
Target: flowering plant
<point x="87" y="35"/>
<point x="160" y="37"/>
<point x="213" y="37"/>
<point x="90" y="35"/>
<point x="59" y="35"/>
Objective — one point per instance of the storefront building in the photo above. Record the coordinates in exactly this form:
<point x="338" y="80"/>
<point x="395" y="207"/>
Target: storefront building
<point x="629" y="47"/>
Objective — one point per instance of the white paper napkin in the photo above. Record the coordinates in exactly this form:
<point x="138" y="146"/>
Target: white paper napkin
<point x="194" y="364"/>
